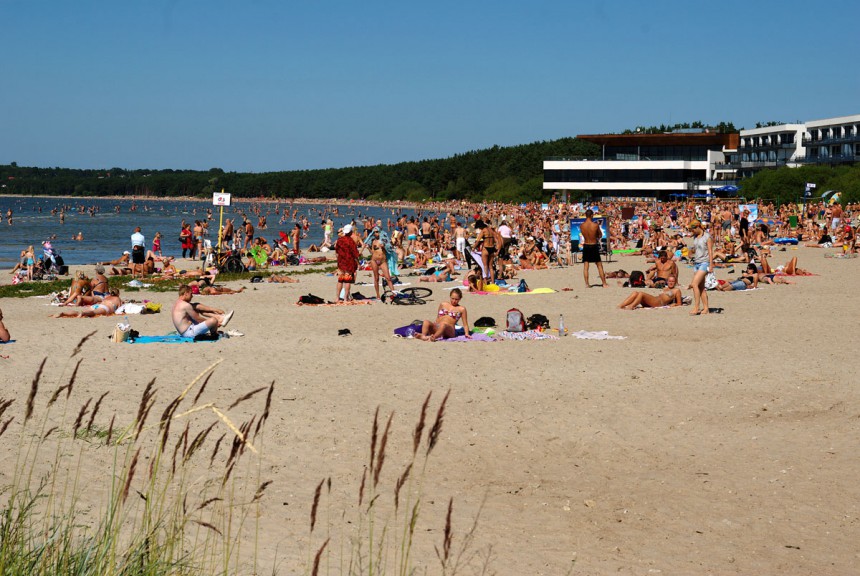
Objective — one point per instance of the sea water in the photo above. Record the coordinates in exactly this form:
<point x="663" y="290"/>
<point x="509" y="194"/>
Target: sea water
<point x="107" y="232"/>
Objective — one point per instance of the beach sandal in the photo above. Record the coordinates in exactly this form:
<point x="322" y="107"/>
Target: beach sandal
<point x="227" y="317"/>
<point x="344" y="332"/>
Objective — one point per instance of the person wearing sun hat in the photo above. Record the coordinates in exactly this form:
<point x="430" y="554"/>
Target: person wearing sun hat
<point x="703" y="262"/>
<point x="347" y="262"/>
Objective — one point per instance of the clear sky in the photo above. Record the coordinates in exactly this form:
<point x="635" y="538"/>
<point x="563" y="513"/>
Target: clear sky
<point x="284" y="85"/>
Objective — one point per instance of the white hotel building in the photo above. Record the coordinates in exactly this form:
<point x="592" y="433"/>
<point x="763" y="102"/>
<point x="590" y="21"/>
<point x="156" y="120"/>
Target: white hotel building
<point x="688" y="162"/>
<point x="645" y="165"/>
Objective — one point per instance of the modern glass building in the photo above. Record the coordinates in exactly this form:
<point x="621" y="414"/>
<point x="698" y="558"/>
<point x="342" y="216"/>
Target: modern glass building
<point x="645" y="165"/>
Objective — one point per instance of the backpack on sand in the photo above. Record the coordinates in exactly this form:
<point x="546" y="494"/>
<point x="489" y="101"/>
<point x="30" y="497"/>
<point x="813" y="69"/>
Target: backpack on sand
<point x="637" y="279"/>
<point x="515" y="321"/>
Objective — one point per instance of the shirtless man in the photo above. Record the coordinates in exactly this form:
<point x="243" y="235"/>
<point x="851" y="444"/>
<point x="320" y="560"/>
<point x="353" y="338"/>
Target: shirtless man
<point x="189" y="322"/>
<point x="121" y="261"/>
<point x="460" y="241"/>
<point x="591" y="235"/>
<point x="249" y="234"/>
<point x="295" y="237"/>
<point x="670" y="296"/>
<point x="662" y="269"/>
<point x="411" y="234"/>
<point x="228" y="232"/>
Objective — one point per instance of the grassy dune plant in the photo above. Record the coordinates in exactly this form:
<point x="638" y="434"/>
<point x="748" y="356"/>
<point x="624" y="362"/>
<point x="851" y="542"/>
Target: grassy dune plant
<point x="160" y="515"/>
<point x="382" y="537"/>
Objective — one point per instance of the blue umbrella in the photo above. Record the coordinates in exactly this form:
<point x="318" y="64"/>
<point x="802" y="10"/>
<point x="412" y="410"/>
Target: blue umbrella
<point x="727" y="188"/>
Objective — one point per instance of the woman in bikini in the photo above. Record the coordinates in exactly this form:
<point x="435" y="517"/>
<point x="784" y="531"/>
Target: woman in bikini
<point x="487" y="240"/>
<point x="379" y="262"/>
<point x="447" y="316"/>
<point x="670" y="296"/>
<point x="106" y="307"/>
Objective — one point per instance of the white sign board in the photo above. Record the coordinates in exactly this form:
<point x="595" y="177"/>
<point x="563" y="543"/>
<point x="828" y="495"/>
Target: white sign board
<point x="220" y="199"/>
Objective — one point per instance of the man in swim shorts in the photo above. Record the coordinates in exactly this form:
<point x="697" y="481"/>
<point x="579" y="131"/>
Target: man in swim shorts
<point x="189" y="322"/>
<point x="591" y="234"/>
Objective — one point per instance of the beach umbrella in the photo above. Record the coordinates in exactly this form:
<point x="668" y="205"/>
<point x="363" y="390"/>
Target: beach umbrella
<point x="727" y="188"/>
<point x="832" y="196"/>
<point x="770" y="222"/>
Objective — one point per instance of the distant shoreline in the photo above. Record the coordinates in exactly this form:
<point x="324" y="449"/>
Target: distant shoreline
<point x="312" y="201"/>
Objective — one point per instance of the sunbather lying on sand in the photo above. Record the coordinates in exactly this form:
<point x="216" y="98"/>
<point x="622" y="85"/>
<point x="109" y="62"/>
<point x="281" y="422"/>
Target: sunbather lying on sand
<point x="282" y="279"/>
<point x="106" y="307"/>
<point x="670" y="296"/>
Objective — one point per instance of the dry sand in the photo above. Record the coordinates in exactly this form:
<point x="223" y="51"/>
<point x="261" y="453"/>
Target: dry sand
<point x="698" y="445"/>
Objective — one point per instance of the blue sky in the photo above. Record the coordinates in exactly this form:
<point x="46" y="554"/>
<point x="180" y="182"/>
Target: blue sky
<point x="262" y="86"/>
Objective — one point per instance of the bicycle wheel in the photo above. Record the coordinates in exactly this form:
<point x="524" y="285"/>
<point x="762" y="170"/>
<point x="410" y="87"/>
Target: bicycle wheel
<point x="405" y="300"/>
<point x="234" y="265"/>
<point x="417" y="292"/>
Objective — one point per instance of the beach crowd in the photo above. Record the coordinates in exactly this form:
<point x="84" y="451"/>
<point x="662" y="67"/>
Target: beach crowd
<point x="480" y="247"/>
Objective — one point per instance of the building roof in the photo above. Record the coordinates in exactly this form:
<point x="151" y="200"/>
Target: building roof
<point x="666" y="139"/>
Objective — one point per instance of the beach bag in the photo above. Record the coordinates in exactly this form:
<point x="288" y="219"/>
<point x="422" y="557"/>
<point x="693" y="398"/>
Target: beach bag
<point x="522" y="286"/>
<point x="409" y="330"/>
<point x="485" y="322"/>
<point x="538" y="321"/>
<point x="311" y="299"/>
<point x="515" y="321"/>
<point x="710" y="281"/>
<point x="121" y="333"/>
<point x="637" y="279"/>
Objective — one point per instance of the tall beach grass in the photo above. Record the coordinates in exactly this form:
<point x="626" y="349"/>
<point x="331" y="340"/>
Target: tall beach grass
<point x="158" y="514"/>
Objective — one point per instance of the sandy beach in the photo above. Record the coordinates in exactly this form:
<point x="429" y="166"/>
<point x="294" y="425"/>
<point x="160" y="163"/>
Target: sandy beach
<point x="697" y="445"/>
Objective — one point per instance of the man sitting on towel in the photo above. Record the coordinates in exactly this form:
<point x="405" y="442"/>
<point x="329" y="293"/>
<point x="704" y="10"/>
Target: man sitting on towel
<point x="189" y="322"/>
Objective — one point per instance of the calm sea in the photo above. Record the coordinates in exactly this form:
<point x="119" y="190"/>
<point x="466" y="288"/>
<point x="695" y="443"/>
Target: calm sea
<point x="107" y="229"/>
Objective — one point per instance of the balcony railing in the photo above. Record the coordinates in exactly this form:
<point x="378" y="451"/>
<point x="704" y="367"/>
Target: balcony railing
<point x="837" y="159"/>
<point x="625" y="158"/>
<point x="831" y="140"/>
<point x="767" y="146"/>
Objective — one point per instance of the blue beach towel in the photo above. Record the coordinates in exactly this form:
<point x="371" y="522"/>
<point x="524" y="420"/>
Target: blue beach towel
<point x="167" y="339"/>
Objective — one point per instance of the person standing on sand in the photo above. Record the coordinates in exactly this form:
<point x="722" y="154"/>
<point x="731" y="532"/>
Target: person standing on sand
<point x="703" y="262"/>
<point x="347" y="262"/>
<point x="138" y="252"/>
<point x="591" y="236"/>
<point x="227" y="233"/>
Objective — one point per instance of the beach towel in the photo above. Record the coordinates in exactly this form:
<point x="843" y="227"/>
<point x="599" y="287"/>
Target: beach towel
<point x="475" y="338"/>
<point x="511" y="293"/>
<point x="338" y="304"/>
<point x="601" y="335"/>
<point x="527" y="335"/>
<point x="173" y="338"/>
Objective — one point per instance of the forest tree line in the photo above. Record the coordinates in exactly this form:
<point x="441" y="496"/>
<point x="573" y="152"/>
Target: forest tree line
<point x="507" y="174"/>
<point x="504" y="174"/>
